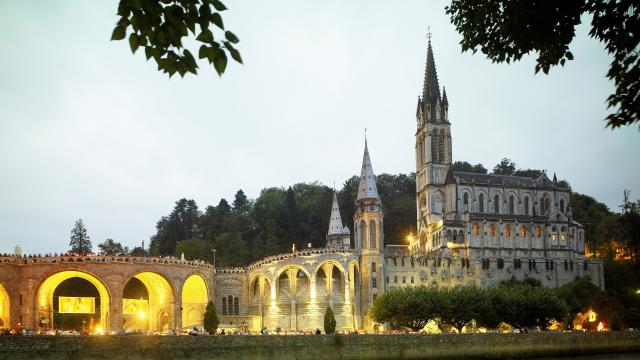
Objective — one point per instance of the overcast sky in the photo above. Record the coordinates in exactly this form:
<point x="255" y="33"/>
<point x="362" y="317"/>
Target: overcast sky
<point x="88" y="130"/>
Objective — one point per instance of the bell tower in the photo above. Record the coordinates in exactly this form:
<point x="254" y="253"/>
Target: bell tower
<point x="433" y="153"/>
<point x="369" y="238"/>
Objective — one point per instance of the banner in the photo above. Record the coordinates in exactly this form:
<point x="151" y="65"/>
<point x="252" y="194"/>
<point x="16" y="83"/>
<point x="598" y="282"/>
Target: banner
<point x="134" y="306"/>
<point x="76" y="305"/>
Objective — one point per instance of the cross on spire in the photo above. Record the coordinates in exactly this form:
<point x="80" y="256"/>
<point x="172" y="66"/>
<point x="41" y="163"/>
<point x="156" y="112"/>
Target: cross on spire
<point x="429" y="33"/>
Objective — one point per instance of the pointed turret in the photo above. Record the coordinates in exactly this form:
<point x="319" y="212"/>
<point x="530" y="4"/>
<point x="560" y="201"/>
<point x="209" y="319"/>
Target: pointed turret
<point x="367" y="188"/>
<point x="338" y="235"/>
<point x="445" y="101"/>
<point x="335" y="222"/>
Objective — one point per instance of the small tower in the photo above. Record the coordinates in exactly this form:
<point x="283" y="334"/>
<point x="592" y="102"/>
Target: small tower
<point x="338" y="234"/>
<point x="369" y="237"/>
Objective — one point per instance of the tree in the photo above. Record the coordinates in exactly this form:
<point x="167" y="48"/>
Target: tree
<point x="231" y="250"/>
<point x="159" y="27"/>
<point x="80" y="242"/>
<point x="137" y="251"/>
<point x="410" y="307"/>
<point x="329" y="321"/>
<point x="506" y="30"/>
<point x="194" y="249"/>
<point x="110" y="247"/>
<point x="461" y="305"/>
<point x="211" y="320"/>
<point x="183" y="223"/>
<point x="464" y="166"/>
<point x="630" y="226"/>
<point x="505" y="167"/>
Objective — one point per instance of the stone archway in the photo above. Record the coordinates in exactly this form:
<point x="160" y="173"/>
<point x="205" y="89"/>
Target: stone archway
<point x="160" y="301"/>
<point x="195" y="297"/>
<point x="45" y="310"/>
<point x="5" y="307"/>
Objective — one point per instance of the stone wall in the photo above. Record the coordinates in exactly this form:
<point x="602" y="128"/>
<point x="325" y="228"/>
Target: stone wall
<point x="465" y="346"/>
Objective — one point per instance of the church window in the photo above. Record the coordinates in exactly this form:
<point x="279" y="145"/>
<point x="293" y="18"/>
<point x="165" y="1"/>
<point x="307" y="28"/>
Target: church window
<point x="404" y="279"/>
<point x="395" y="279"/>
<point x="236" y="306"/>
<point x="500" y="263"/>
<point x="544" y="205"/>
<point x="562" y="206"/>
<point x="441" y="146"/>
<point x="538" y="231"/>
<point x="526" y="205"/>
<point x="523" y="231"/>
<point x="492" y="230"/>
<point x="475" y="229"/>
<point x="496" y="204"/>
<point x="412" y="280"/>
<point x="586" y="265"/>
<point x="372" y="235"/>
<point x="373" y="267"/>
<point x="460" y="236"/>
<point x="465" y="201"/>
<point x="507" y="230"/>
<point x="511" y="205"/>
<point x="374" y="283"/>
<point x="387" y="279"/>
<point x="434" y="147"/>
<point x="481" y="203"/>
<point x="224" y="305"/>
<point x="566" y="265"/>
<point x="448" y="235"/>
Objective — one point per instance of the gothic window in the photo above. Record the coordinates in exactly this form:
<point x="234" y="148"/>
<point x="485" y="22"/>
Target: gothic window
<point x="448" y="235"/>
<point x="465" y="201"/>
<point x="460" y="236"/>
<point x="544" y="205"/>
<point x="441" y="149"/>
<point x="236" y="306"/>
<point x="507" y="230"/>
<point x="562" y="234"/>
<point x="511" y="205"/>
<point x="554" y="236"/>
<point x="496" y="204"/>
<point x="224" y="306"/>
<point x="562" y="206"/>
<point x="481" y="203"/>
<point x="434" y="148"/>
<point x="372" y="235"/>
<point x="526" y="205"/>
<point x="475" y="229"/>
<point x="492" y="230"/>
<point x="373" y="267"/>
<point x="523" y="231"/>
<point x="230" y="305"/>
<point x="363" y="230"/>
<point x="538" y="231"/>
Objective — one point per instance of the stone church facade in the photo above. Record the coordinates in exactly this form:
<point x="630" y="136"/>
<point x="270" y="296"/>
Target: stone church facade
<point x="472" y="229"/>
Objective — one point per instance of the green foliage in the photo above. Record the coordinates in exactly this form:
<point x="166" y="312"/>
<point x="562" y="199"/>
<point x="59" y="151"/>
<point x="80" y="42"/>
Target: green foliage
<point x="411" y="307"/>
<point x="464" y="166"/>
<point x="193" y="249"/>
<point x="532" y="173"/>
<point x="110" y="247"/>
<point x="505" y="31"/>
<point x="630" y="226"/>
<point x="460" y="305"/>
<point x="80" y="242"/>
<point x="504" y="167"/>
<point x="160" y="26"/>
<point x="329" y="321"/>
<point x="211" y="320"/>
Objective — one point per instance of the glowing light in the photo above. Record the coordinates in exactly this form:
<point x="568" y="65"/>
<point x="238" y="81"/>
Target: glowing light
<point x="638" y="291"/>
<point x="76" y="305"/>
<point x="99" y="331"/>
<point x="600" y="326"/>
<point x="141" y="315"/>
<point x="194" y="300"/>
<point x="410" y="238"/>
<point x="592" y="316"/>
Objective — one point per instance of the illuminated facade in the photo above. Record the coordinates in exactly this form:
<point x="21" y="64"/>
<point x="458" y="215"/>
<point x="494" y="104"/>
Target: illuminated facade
<point x="473" y="229"/>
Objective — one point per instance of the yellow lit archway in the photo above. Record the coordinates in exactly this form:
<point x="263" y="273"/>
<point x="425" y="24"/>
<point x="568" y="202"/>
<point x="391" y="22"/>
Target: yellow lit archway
<point x="160" y="301"/>
<point x="194" y="301"/>
<point x="4" y="308"/>
<point x="44" y="296"/>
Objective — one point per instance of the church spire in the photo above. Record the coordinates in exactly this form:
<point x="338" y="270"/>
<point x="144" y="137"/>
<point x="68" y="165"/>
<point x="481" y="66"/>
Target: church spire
<point x="430" y="87"/>
<point x="367" y="188"/>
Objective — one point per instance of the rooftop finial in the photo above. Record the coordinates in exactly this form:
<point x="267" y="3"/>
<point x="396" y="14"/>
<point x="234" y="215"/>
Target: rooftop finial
<point x="429" y="33"/>
<point x="365" y="134"/>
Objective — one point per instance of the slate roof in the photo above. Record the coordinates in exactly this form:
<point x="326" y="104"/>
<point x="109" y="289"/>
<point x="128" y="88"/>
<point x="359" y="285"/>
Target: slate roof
<point x="502" y="180"/>
<point x="367" y="188"/>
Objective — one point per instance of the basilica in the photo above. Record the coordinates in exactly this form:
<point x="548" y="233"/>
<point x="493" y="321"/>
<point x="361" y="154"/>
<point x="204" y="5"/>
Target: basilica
<point x="472" y="230"/>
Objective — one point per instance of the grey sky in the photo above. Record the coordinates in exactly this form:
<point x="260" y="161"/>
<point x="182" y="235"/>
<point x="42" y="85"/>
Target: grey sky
<point x="89" y="131"/>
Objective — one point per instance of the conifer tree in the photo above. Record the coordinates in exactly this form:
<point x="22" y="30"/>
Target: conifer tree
<point x="80" y="242"/>
<point x="211" y="320"/>
<point x="329" y="321"/>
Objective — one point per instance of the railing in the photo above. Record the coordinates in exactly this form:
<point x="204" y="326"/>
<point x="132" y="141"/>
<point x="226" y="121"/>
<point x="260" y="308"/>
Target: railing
<point x="306" y="252"/>
<point x="74" y="258"/>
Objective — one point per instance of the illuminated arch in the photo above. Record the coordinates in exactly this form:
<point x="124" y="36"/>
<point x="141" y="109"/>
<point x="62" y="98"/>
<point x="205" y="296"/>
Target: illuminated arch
<point x="332" y="262"/>
<point x="160" y="300"/>
<point x="44" y="295"/>
<point x="254" y="281"/>
<point x="287" y="267"/>
<point x="195" y="296"/>
<point x="4" y="308"/>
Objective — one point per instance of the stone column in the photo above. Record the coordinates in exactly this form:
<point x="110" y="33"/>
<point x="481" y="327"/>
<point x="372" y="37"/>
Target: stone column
<point x="114" y="322"/>
<point x="293" y="281"/>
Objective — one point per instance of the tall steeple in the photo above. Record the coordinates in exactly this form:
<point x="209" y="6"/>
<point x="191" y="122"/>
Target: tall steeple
<point x="367" y="188"/>
<point x="430" y="87"/>
<point x="337" y="235"/>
